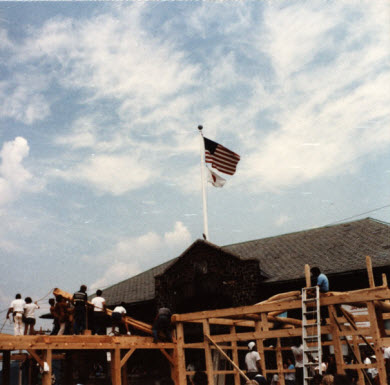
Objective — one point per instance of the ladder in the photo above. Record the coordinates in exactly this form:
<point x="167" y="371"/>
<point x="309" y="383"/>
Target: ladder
<point x="311" y="332"/>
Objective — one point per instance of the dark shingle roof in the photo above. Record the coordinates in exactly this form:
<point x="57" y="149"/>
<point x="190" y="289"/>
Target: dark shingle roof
<point x="336" y="249"/>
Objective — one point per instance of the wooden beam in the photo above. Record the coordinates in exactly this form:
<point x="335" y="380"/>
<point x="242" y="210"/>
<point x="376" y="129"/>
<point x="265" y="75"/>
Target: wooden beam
<point x="336" y="340"/>
<point x="207" y="352"/>
<point x="228" y="358"/>
<point x="46" y="376"/>
<point x="116" y="374"/>
<point x="127" y="356"/>
<point x="180" y="354"/>
<point x="34" y="354"/>
<point x="279" y="362"/>
<point x="235" y="356"/>
<point x="371" y="281"/>
<point x="377" y="343"/>
<point x="307" y="276"/>
<point x="167" y="356"/>
<point x="352" y="297"/>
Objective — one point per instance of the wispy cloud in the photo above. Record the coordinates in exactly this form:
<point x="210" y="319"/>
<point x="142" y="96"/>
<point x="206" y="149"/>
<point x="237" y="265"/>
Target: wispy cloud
<point x="143" y="252"/>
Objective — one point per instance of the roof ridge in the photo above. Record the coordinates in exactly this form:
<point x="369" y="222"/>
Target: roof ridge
<point x="303" y="231"/>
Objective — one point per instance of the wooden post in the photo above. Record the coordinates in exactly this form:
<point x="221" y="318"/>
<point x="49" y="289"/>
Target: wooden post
<point x="307" y="276"/>
<point x="263" y="325"/>
<point x="207" y="352"/>
<point x="116" y="367"/>
<point x="180" y="355"/>
<point x="338" y="352"/>
<point x="376" y="339"/>
<point x="371" y="281"/>
<point x="6" y="367"/>
<point x="279" y="361"/>
<point x="359" y="358"/>
<point x="235" y="356"/>
<point x="124" y="373"/>
<point x="46" y="376"/>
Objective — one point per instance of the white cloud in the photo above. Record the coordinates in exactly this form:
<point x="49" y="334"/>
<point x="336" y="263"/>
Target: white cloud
<point x="115" y="273"/>
<point x="341" y="102"/>
<point x="143" y="252"/>
<point x="114" y="174"/>
<point x="22" y="99"/>
<point x="14" y="178"/>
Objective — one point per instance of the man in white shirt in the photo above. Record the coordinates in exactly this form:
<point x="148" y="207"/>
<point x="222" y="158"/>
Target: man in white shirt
<point x="118" y="318"/>
<point x="29" y="315"/>
<point x="252" y="361"/>
<point x="99" y="313"/>
<point x="297" y="350"/>
<point x="17" y="309"/>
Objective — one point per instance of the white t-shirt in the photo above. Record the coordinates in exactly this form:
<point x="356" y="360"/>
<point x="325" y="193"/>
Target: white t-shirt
<point x="250" y="360"/>
<point x="18" y="305"/>
<point x="119" y="309"/>
<point x="98" y="303"/>
<point x="298" y="355"/>
<point x="386" y="352"/>
<point x="29" y="310"/>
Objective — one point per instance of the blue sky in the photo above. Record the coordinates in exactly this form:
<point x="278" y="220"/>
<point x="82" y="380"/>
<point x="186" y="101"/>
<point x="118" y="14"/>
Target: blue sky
<point x="99" y="149"/>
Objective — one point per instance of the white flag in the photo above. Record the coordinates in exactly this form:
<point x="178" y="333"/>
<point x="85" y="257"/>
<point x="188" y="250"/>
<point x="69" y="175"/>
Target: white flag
<point x="215" y="179"/>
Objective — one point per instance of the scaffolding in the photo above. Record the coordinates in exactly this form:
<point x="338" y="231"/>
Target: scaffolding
<point x="222" y="333"/>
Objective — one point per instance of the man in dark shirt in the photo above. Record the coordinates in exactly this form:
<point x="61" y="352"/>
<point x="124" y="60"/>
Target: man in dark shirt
<point x="80" y="309"/>
<point x="162" y="323"/>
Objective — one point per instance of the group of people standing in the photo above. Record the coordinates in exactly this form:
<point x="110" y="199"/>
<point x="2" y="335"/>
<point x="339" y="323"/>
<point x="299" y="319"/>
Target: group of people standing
<point x="71" y="315"/>
<point x="23" y="315"/>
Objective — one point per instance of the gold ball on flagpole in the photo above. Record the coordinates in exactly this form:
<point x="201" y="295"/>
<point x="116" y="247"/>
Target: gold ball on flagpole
<point x="200" y="128"/>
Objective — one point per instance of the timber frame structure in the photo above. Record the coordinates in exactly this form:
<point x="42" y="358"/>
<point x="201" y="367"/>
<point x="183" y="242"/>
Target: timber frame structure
<point x="225" y="330"/>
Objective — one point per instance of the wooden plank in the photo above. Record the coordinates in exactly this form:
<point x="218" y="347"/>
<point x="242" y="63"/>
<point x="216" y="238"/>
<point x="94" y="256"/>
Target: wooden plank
<point x="307" y="276"/>
<point x="207" y="352"/>
<point x="116" y="377"/>
<point x="260" y="329"/>
<point x="359" y="358"/>
<point x="46" y="376"/>
<point x="127" y="356"/>
<point x="336" y="341"/>
<point x="377" y="343"/>
<point x="34" y="354"/>
<point x="228" y="358"/>
<point x="167" y="356"/>
<point x="235" y="356"/>
<point x="279" y="362"/>
<point x="371" y="281"/>
<point x="180" y="354"/>
<point x="356" y="296"/>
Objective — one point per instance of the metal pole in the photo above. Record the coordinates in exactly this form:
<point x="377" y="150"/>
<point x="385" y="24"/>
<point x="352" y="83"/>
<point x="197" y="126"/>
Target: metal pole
<point x="204" y="193"/>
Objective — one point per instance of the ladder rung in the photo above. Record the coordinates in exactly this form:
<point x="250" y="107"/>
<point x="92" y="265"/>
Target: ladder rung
<point x="310" y="312"/>
<point x="310" y="300"/>
<point x="311" y="338"/>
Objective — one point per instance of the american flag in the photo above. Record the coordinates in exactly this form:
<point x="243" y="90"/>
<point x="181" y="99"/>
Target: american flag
<point x="220" y="157"/>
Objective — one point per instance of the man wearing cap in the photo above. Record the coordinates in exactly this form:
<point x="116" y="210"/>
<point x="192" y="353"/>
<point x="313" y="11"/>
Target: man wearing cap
<point x="252" y="361"/>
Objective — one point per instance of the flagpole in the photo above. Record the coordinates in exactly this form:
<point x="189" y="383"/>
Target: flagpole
<point x="204" y="194"/>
